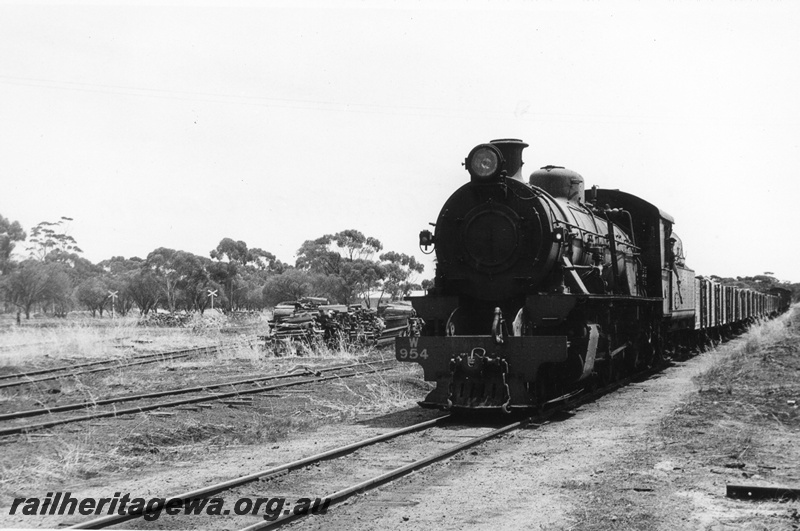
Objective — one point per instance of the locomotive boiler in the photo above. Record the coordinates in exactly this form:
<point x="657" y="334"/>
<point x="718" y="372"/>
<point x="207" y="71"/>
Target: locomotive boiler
<point x="543" y="287"/>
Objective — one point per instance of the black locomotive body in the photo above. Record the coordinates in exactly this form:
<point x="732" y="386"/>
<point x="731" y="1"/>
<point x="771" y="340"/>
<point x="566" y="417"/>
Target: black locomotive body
<point x="542" y="287"/>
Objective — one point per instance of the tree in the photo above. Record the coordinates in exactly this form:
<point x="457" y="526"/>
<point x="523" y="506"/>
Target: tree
<point x="120" y="272"/>
<point x="233" y="251"/>
<point x="223" y="274"/>
<point x="58" y="295"/>
<point x="93" y="293"/>
<point x="361" y="277"/>
<point x="345" y="259"/>
<point x="34" y="282"/>
<point x="193" y="280"/>
<point x="121" y="286"/>
<point x="117" y="265"/>
<point x="10" y="232"/>
<point x="145" y="290"/>
<point x="327" y="253"/>
<point x="292" y="284"/>
<point x="357" y="246"/>
<point x="254" y="297"/>
<point x="249" y="287"/>
<point x="265" y="261"/>
<point x="316" y="256"/>
<point x="161" y="263"/>
<point x="236" y="271"/>
<point x="400" y="271"/>
<point x="231" y="256"/>
<point x="183" y="277"/>
<point x="80" y="266"/>
<point x="48" y="236"/>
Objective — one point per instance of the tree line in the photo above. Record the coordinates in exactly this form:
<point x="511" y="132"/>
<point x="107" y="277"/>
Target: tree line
<point x="55" y="278"/>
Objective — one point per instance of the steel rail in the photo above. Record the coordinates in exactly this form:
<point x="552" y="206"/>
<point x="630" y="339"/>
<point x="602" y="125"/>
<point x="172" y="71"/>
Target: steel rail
<point x="154" y="359"/>
<point x="158" y="394"/>
<point x="90" y="363"/>
<point x="343" y="494"/>
<point x="106" y="521"/>
<point x="141" y="409"/>
<point x="560" y="406"/>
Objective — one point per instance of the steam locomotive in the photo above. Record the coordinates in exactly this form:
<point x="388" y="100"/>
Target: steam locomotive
<point x="543" y="287"/>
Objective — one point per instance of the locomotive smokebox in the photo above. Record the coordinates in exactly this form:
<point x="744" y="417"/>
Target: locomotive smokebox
<point x="559" y="182"/>
<point x="511" y="148"/>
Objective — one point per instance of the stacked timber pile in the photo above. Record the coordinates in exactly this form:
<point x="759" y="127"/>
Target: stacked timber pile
<point x="314" y="320"/>
<point x="354" y="325"/>
<point x="298" y="320"/>
<point x="400" y="320"/>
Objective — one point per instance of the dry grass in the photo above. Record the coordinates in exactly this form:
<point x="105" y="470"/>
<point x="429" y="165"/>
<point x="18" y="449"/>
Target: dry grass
<point x="748" y="362"/>
<point x="84" y="456"/>
<point x="268" y="428"/>
<point x="375" y="394"/>
<point x="236" y="356"/>
<point x="106" y="338"/>
<point x="31" y="346"/>
<point x="743" y="424"/>
<point x="740" y="428"/>
<point x="38" y="346"/>
<point x="24" y="345"/>
<point x="53" y="459"/>
<point x="747" y="401"/>
<point x="302" y="349"/>
<point x="61" y="460"/>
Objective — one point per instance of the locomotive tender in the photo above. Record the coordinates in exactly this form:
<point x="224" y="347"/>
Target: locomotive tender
<point x="543" y="287"/>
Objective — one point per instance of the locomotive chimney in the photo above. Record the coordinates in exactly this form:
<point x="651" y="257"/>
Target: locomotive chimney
<point x="511" y="148"/>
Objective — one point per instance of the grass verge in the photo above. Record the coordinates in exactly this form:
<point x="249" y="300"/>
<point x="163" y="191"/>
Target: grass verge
<point x="740" y="427"/>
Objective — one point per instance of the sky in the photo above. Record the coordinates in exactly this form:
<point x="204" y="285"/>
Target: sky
<point x="179" y="124"/>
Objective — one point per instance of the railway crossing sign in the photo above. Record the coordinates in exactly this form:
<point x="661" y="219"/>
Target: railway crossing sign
<point x="212" y="293"/>
<point x="113" y="298"/>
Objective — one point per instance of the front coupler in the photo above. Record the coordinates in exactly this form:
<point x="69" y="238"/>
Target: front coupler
<point x="476" y="372"/>
<point x="479" y="380"/>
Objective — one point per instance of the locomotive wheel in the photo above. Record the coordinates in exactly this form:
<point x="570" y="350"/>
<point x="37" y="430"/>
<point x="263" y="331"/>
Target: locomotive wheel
<point x="613" y="371"/>
<point x="539" y="393"/>
<point x="647" y="352"/>
<point x="595" y="381"/>
<point x="607" y="372"/>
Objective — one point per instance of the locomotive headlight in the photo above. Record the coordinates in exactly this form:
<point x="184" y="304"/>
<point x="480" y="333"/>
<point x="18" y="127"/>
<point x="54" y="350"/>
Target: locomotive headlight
<point x="484" y="162"/>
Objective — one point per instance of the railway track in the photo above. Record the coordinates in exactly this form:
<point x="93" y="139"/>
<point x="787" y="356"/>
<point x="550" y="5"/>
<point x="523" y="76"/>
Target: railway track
<point x="255" y="382"/>
<point x="430" y="442"/>
<point x="26" y="377"/>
